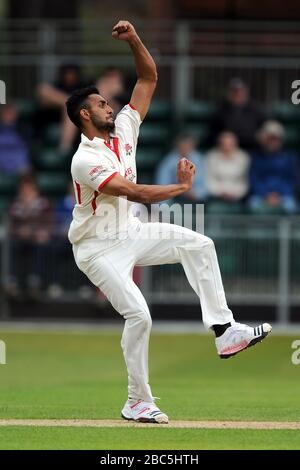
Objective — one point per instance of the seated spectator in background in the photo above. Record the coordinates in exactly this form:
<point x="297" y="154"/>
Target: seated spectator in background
<point x="30" y="231"/>
<point x="64" y="211"/>
<point x="227" y="170"/>
<point x="52" y="98"/>
<point x="238" y="114"/>
<point x="273" y="172"/>
<point x="13" y="149"/>
<point x="185" y="147"/>
<point x="111" y="87"/>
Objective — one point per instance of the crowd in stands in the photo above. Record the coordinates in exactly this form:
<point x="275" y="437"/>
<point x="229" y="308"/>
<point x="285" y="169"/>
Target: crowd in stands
<point x="245" y="167"/>
<point x="248" y="167"/>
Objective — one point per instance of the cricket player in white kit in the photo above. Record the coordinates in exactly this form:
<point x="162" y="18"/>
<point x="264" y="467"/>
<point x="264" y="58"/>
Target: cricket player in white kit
<point x="108" y="241"/>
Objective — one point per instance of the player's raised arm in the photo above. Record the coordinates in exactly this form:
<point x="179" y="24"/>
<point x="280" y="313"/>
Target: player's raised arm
<point x="144" y="64"/>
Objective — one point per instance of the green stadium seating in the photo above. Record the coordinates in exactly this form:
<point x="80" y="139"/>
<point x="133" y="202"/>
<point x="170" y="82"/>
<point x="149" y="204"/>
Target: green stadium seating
<point x="292" y="134"/>
<point x="199" y="131"/>
<point x="154" y="134"/>
<point x="26" y="108"/>
<point x="53" y="159"/>
<point x="285" y="111"/>
<point x="264" y="209"/>
<point x="199" y="111"/>
<point x="147" y="158"/>
<point x="53" y="184"/>
<point x="223" y="207"/>
<point x="159" y="110"/>
<point x="4" y="204"/>
<point x="8" y="184"/>
<point x="51" y="135"/>
<point x="144" y="177"/>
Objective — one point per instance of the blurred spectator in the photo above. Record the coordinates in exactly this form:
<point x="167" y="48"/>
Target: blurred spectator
<point x="273" y="172"/>
<point x="227" y="170"/>
<point x="64" y="211"/>
<point x="52" y="99"/>
<point x="30" y="226"/>
<point x="185" y="147"/>
<point x="238" y="114"/>
<point x="13" y="149"/>
<point x="111" y="87"/>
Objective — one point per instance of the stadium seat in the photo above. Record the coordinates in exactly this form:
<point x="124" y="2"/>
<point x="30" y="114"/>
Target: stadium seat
<point x="53" y="184"/>
<point x="292" y="135"/>
<point x="199" y="111"/>
<point x="159" y="110"/>
<point x="223" y="207"/>
<point x="52" y="159"/>
<point x="144" y="177"/>
<point x="26" y="108"/>
<point x="51" y="135"/>
<point x="285" y="111"/>
<point x="147" y="158"/>
<point x="4" y="204"/>
<point x="8" y="184"/>
<point x="153" y="133"/>
<point x="199" y="131"/>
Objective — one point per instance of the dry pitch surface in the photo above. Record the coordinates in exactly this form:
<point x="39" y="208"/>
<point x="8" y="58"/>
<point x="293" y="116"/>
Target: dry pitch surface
<point x="111" y="423"/>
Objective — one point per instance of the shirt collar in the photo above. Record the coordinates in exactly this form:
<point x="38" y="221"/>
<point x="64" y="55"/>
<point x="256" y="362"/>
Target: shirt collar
<point x="95" y="142"/>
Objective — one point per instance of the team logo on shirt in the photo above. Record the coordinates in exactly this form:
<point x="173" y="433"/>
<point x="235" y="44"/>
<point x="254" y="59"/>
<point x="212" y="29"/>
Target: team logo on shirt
<point x="129" y="174"/>
<point x="128" y="149"/>
<point x="98" y="170"/>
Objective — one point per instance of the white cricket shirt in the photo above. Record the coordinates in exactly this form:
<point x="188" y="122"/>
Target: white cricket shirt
<point x="96" y="161"/>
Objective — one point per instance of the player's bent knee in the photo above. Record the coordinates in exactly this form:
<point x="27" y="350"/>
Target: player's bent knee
<point x="209" y="243"/>
<point x="141" y="318"/>
<point x="205" y="242"/>
<point x="146" y="321"/>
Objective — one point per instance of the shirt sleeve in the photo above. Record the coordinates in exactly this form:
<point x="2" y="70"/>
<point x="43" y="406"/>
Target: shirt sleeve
<point x="128" y="123"/>
<point x="93" y="173"/>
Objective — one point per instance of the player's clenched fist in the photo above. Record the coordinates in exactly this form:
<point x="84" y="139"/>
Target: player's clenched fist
<point x="185" y="171"/>
<point x="124" y="31"/>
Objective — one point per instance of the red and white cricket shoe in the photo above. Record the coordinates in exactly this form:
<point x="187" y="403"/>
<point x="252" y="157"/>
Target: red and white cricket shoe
<point x="143" y="412"/>
<point x="239" y="337"/>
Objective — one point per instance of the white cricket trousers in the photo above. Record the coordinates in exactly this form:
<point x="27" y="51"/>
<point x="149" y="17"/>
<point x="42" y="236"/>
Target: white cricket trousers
<point x="152" y="244"/>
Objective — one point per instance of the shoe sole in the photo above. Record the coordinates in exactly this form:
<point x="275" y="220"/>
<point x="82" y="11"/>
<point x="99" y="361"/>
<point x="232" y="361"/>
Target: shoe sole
<point x="252" y="343"/>
<point x="145" y="420"/>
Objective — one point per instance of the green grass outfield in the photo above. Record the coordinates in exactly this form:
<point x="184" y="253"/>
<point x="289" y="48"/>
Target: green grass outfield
<point x="82" y="376"/>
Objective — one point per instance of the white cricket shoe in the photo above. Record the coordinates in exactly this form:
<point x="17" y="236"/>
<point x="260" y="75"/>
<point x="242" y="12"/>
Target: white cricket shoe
<point x="238" y="337"/>
<point x="143" y="412"/>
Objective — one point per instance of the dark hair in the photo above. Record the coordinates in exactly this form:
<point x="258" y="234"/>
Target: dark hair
<point x="78" y="101"/>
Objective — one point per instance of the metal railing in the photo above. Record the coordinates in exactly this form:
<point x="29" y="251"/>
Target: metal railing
<point x="195" y="59"/>
<point x="258" y="256"/>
